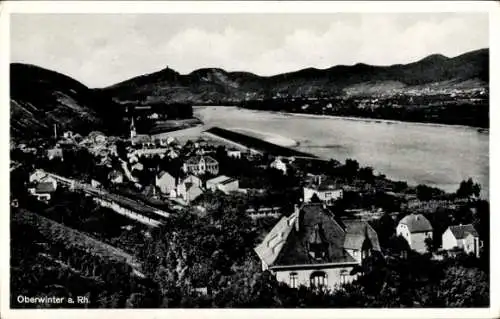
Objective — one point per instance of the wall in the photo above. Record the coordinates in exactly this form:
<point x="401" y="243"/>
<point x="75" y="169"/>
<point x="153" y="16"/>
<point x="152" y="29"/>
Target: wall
<point x="229" y="187"/>
<point x="166" y="183"/>
<point x="402" y="230"/>
<point x="418" y="241"/>
<point x="333" y="276"/>
<point x="355" y="253"/>
<point x="471" y="245"/>
<point x="449" y="241"/>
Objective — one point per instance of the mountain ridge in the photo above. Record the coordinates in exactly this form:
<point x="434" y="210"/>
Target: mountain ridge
<point x="209" y="84"/>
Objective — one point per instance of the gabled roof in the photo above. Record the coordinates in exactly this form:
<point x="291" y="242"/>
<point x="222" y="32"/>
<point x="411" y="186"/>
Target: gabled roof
<point x="287" y="243"/>
<point x="218" y="179"/>
<point x="357" y="232"/>
<point x="462" y="231"/>
<point x="272" y="244"/>
<point x="45" y="187"/>
<point x="162" y="173"/>
<point x="416" y="223"/>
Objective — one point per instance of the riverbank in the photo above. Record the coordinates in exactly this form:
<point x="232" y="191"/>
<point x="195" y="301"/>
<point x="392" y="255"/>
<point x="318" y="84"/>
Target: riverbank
<point x="256" y="144"/>
<point x="174" y="125"/>
<point x="364" y="119"/>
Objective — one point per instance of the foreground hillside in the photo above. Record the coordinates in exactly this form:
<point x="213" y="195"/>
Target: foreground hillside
<point x="41" y="98"/>
<point x="469" y="70"/>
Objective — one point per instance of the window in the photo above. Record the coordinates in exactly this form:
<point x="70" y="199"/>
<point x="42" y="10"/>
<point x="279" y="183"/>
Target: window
<point x="294" y="280"/>
<point x="318" y="279"/>
<point x="343" y="276"/>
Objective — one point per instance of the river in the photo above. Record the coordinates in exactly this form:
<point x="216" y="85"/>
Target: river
<point x="436" y="155"/>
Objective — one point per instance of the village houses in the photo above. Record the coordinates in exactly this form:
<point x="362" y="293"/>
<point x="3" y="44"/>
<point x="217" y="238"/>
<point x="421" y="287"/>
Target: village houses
<point x="199" y="165"/>
<point x="464" y="237"/>
<point x="415" y="229"/>
<point x="311" y="248"/>
<point x="325" y="189"/>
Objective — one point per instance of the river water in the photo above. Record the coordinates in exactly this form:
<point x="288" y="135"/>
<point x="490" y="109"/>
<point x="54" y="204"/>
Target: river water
<point x="436" y="155"/>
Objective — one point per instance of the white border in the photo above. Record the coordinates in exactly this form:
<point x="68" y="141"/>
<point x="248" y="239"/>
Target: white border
<point x="8" y="7"/>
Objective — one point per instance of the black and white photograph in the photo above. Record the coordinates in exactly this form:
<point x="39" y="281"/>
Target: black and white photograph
<point x="249" y="160"/>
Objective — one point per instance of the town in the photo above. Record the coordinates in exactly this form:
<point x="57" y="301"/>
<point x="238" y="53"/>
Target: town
<point x="440" y="104"/>
<point x="226" y="220"/>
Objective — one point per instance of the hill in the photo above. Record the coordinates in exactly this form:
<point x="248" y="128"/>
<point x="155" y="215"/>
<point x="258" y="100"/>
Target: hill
<point x="41" y="98"/>
<point x="212" y="85"/>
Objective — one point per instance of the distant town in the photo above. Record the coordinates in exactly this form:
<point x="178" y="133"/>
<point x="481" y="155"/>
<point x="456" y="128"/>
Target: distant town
<point x="457" y="106"/>
<point x="230" y="220"/>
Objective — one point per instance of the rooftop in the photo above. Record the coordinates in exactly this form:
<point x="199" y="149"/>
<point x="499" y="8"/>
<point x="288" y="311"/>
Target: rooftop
<point x="288" y="243"/>
<point x="416" y="223"/>
<point x="45" y="187"/>
<point x="462" y="231"/>
<point x="195" y="160"/>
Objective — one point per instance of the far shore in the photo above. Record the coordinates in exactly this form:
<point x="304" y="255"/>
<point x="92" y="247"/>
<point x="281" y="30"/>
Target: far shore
<point x="355" y="118"/>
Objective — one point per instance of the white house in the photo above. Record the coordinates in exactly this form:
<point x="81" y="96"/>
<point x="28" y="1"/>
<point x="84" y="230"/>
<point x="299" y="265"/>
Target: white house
<point x="199" y="165"/>
<point x="464" y="237"/>
<point x="327" y="190"/>
<point x="223" y="183"/>
<point x="166" y="183"/>
<point x="279" y="165"/>
<point x="415" y="229"/>
<point x="234" y="153"/>
<point x="312" y="249"/>
<point x="54" y="153"/>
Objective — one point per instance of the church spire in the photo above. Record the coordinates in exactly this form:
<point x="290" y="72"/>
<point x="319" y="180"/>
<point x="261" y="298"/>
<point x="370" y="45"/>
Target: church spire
<point x="133" y="132"/>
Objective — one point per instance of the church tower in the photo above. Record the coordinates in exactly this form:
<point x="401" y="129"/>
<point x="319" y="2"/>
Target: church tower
<point x="133" y="132"/>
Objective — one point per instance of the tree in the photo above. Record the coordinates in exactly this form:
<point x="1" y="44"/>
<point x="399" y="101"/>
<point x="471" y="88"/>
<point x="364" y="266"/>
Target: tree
<point x="429" y="244"/>
<point x="366" y="174"/>
<point x="468" y="189"/>
<point x="425" y="193"/>
<point x="385" y="228"/>
<point x="351" y="168"/>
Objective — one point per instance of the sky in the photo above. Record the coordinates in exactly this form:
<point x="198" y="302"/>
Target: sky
<point x="103" y="49"/>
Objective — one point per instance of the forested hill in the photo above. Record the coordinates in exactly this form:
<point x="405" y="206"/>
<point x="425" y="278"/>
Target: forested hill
<point x="41" y="98"/>
<point x="212" y="85"/>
